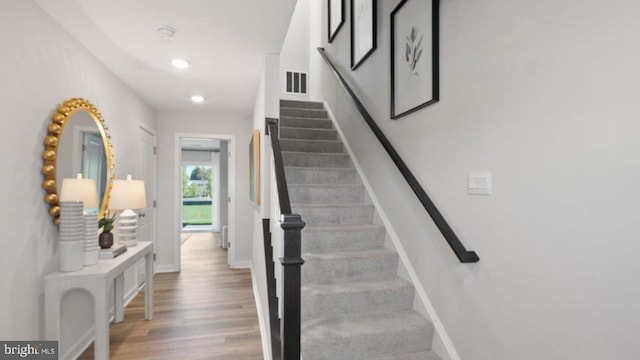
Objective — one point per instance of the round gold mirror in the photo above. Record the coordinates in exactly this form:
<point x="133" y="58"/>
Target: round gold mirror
<point x="77" y="143"/>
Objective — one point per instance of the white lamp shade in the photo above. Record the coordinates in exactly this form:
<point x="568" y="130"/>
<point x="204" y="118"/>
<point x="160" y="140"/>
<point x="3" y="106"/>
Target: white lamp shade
<point x="79" y="189"/>
<point x="128" y="194"/>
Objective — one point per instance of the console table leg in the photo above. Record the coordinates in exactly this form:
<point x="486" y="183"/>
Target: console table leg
<point x="52" y="299"/>
<point x="118" y="302"/>
<point x="101" y="322"/>
<point x="148" y="291"/>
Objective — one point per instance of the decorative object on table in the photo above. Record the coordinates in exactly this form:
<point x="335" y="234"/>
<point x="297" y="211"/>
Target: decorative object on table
<point x="105" y="240"/>
<point x="128" y="195"/>
<point x="113" y="251"/>
<point x="336" y="17"/>
<point x="71" y="236"/>
<point x="91" y="247"/>
<point x="68" y="114"/>
<point x="85" y="190"/>
<point x="363" y="30"/>
<point x="414" y="56"/>
<point x="254" y="168"/>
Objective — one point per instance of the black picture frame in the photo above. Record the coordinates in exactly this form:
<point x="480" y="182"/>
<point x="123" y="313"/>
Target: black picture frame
<point x="415" y="84"/>
<point x="335" y="20"/>
<point x="363" y="43"/>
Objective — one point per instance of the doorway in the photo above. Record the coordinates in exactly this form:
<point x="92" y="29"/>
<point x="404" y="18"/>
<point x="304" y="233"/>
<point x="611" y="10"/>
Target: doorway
<point x="205" y="170"/>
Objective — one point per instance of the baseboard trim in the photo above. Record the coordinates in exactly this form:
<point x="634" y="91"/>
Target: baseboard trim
<point x="264" y="329"/>
<point x="241" y="265"/>
<point x="441" y="333"/>
<point x="167" y="269"/>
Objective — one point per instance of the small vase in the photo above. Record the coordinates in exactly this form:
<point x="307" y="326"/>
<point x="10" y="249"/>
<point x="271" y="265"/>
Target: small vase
<point x="106" y="240"/>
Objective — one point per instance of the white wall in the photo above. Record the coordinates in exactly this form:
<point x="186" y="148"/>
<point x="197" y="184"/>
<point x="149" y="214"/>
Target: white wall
<point x="172" y="123"/>
<point x="294" y="55"/>
<point x="544" y="95"/>
<point x="42" y="67"/>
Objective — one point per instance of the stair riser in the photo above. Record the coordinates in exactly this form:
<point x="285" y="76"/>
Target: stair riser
<point x="308" y="134"/>
<point x="369" y="346"/>
<point x="321" y="176"/>
<point x="326" y="195"/>
<point x="325" y="241"/>
<point x="317" y="270"/>
<point x="316" y="146"/>
<point x="334" y="306"/>
<point x="304" y="113"/>
<point x="315" y="160"/>
<point x="335" y="215"/>
<point x="295" y="122"/>
<point x="301" y="104"/>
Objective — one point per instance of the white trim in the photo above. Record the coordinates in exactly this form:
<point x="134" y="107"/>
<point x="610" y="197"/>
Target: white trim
<point x="231" y="189"/>
<point x="265" y="331"/>
<point x="420" y="291"/>
<point x="241" y="265"/>
<point x="154" y="227"/>
<point x="167" y="269"/>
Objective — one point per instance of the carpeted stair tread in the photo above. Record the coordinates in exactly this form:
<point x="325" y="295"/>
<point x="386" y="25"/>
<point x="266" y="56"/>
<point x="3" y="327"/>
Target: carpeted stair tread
<point x="349" y="265"/>
<point x="366" y="336"/>
<point x="298" y="122"/>
<point x="303" y="113"/>
<point x="313" y="146"/>
<point x="342" y="237"/>
<point x="343" y="298"/>
<point x="307" y="133"/>
<point x="302" y="104"/>
<point x="326" y="193"/>
<point x="333" y="214"/>
<point x="320" y="175"/>
<point x="312" y="159"/>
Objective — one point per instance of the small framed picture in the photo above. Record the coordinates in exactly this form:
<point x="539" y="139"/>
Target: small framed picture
<point x="336" y="17"/>
<point x="414" y="56"/>
<point x="363" y="30"/>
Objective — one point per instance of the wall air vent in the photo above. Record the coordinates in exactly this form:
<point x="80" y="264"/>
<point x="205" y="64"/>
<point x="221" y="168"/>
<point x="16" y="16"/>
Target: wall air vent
<point x="295" y="82"/>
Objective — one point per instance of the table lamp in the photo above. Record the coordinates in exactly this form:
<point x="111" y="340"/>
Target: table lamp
<point x="127" y="195"/>
<point x="84" y="227"/>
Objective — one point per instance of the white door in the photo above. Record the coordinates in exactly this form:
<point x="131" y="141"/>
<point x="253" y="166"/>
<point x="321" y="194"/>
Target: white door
<point x="146" y="162"/>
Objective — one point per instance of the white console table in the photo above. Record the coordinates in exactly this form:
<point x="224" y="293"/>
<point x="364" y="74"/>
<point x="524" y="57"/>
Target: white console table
<point x="96" y="279"/>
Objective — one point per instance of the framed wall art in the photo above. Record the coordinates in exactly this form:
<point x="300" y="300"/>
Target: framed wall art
<point x="254" y="168"/>
<point x="336" y="17"/>
<point x="414" y="56"/>
<point x="363" y="30"/>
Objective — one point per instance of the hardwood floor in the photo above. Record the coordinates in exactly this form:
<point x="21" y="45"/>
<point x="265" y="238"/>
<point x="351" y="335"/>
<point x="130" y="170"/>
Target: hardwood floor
<point x="205" y="312"/>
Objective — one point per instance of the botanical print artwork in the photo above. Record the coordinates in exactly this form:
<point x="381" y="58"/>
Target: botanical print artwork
<point x="414" y="56"/>
<point x="364" y="25"/>
<point x="335" y="17"/>
<point x="413" y="50"/>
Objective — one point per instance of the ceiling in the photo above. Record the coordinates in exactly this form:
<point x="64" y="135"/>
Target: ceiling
<point x="224" y="40"/>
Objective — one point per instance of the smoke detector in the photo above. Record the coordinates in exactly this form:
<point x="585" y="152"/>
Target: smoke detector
<point x="166" y="32"/>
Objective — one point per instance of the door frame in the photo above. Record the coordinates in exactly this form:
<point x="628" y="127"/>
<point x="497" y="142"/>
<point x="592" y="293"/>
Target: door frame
<point x="154" y="227"/>
<point x="231" y="191"/>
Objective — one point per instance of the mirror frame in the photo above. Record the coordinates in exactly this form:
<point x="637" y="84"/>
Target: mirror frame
<point x="49" y="155"/>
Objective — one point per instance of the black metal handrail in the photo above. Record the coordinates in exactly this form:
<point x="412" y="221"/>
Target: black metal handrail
<point x="464" y="255"/>
<point x="281" y="180"/>
<point x="292" y="225"/>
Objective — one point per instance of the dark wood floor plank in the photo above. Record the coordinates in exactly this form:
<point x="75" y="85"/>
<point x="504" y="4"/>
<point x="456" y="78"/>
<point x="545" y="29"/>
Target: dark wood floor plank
<point x="207" y="311"/>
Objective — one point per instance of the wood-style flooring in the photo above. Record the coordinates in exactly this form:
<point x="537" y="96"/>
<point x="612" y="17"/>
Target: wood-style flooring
<point x="207" y="311"/>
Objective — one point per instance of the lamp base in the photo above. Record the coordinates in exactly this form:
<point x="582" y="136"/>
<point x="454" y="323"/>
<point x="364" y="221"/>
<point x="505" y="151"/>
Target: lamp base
<point x="128" y="228"/>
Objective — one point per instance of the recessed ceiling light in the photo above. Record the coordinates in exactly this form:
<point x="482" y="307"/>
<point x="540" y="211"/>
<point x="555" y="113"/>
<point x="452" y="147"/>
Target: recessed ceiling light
<point x="197" y="99"/>
<point x="180" y="63"/>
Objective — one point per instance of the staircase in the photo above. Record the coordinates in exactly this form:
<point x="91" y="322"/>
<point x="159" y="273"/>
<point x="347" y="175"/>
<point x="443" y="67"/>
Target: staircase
<point x="354" y="305"/>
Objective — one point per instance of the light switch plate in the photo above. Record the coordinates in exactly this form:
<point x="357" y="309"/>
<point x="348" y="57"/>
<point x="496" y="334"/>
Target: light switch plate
<point x="479" y="183"/>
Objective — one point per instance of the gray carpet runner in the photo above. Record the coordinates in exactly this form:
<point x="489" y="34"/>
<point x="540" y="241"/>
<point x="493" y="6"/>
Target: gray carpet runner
<point x="354" y="305"/>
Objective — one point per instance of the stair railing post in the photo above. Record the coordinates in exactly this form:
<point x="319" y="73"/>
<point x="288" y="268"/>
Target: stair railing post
<point x="292" y="280"/>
